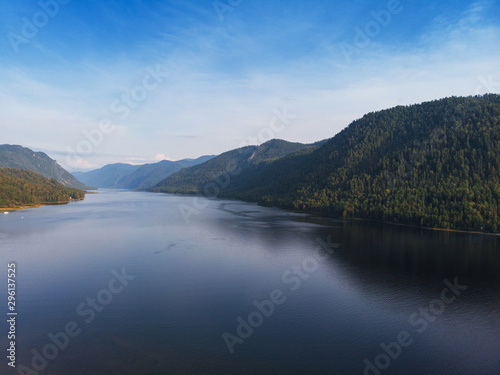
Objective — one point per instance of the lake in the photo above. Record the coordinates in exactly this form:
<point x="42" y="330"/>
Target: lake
<point x="140" y="283"/>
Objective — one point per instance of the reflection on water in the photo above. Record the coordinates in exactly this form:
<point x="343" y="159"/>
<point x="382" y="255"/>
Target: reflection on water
<point x="193" y="281"/>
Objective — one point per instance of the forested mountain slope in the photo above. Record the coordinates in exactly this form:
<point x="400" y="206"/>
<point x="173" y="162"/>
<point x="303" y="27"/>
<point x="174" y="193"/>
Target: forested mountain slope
<point x="21" y="188"/>
<point x="226" y="166"/>
<point x="14" y="156"/>
<point x="435" y="164"/>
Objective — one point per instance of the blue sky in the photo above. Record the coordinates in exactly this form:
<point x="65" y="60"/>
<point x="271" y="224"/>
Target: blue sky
<point x="226" y="70"/>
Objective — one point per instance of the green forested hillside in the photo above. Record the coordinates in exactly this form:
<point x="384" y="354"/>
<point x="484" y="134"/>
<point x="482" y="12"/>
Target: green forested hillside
<point x="14" y="156"/>
<point x="228" y="164"/>
<point x="436" y="164"/>
<point x="20" y="188"/>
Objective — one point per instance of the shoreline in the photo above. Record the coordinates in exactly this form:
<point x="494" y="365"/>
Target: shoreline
<point x="10" y="209"/>
<point x="397" y="224"/>
<point x="321" y="214"/>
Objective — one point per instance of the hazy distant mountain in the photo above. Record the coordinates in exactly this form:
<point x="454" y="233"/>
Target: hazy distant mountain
<point x="149" y="175"/>
<point x="108" y="176"/>
<point x="195" y="179"/>
<point x="126" y="176"/>
<point x="13" y="156"/>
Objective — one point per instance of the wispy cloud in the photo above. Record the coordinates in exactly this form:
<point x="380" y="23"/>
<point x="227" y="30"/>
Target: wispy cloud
<point x="226" y="78"/>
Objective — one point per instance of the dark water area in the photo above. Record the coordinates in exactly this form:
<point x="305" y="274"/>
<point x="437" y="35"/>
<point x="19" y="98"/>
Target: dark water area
<point x="140" y="283"/>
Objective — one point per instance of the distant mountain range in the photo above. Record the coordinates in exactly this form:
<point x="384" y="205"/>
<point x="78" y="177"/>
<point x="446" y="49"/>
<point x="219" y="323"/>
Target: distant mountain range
<point x="106" y="176"/>
<point x="13" y="156"/>
<point x="435" y="164"/>
<point x="126" y="176"/>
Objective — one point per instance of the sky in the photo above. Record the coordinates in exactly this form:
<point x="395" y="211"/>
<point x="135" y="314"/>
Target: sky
<point x="98" y="82"/>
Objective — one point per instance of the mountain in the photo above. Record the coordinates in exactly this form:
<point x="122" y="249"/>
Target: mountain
<point x="13" y="156"/>
<point x="107" y="176"/>
<point x="224" y="167"/>
<point x="434" y="164"/>
<point x="23" y="188"/>
<point x="149" y="175"/>
<point x="126" y="176"/>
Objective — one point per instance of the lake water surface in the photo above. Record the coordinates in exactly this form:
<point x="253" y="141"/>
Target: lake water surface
<point x="143" y="291"/>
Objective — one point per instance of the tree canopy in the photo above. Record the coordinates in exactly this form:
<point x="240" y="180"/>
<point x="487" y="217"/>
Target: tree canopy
<point x="20" y="188"/>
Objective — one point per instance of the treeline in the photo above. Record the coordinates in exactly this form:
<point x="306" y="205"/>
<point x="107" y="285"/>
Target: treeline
<point x="19" y="188"/>
<point x="436" y="164"/>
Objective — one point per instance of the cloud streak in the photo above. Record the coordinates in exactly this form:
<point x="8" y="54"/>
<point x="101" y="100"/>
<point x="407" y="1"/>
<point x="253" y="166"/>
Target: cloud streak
<point x="226" y="78"/>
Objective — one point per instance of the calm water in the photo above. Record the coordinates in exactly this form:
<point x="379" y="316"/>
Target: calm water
<point x="194" y="283"/>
